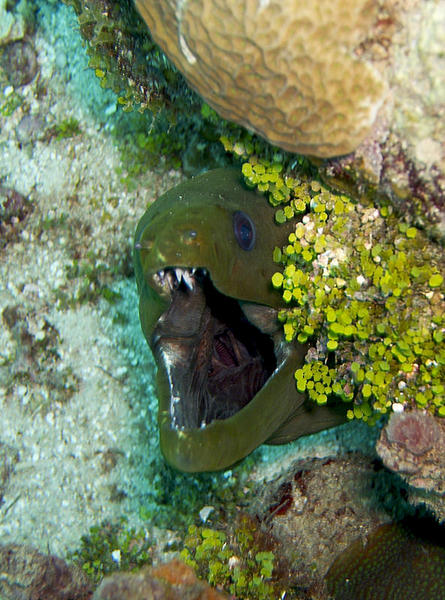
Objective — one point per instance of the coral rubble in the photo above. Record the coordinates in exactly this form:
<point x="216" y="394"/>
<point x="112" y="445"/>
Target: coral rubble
<point x="319" y="506"/>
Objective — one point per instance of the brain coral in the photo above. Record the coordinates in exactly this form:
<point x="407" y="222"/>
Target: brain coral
<point x="288" y="70"/>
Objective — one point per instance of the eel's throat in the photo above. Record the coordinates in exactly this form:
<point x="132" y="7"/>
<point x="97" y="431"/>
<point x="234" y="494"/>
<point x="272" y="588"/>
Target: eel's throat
<point x="216" y="361"/>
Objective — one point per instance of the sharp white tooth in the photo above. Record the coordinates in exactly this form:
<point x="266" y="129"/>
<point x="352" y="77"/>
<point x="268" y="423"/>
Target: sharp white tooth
<point x="171" y="281"/>
<point x="188" y="279"/>
<point x="178" y="273"/>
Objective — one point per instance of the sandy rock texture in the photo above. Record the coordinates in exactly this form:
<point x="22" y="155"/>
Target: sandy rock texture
<point x="71" y="414"/>
<point x="403" y="156"/>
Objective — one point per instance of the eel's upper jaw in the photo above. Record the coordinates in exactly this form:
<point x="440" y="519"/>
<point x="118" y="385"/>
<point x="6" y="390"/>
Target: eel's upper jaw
<point x="166" y="281"/>
<point x="212" y="356"/>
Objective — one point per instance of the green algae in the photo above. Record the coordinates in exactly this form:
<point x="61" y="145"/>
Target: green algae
<point x="363" y="288"/>
<point x="111" y="547"/>
<point x="67" y="128"/>
<point x="159" y="116"/>
<point x="124" y="57"/>
<point x="241" y="559"/>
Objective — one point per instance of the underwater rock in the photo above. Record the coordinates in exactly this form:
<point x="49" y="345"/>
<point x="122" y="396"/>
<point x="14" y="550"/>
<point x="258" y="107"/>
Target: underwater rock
<point x="14" y="208"/>
<point x="403" y="158"/>
<point x="170" y="581"/>
<point x="203" y="265"/>
<point x="278" y="68"/>
<point x="387" y="115"/>
<point x="30" y="129"/>
<point x="401" y="561"/>
<point x="27" y="574"/>
<point x="399" y="156"/>
<point x="412" y="444"/>
<point x="415" y="430"/>
<point x="435" y="503"/>
<point x="12" y="26"/>
<point x="19" y="62"/>
<point x="318" y="507"/>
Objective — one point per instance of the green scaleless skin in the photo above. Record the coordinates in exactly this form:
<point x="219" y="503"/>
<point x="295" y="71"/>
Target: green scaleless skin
<point x="191" y="226"/>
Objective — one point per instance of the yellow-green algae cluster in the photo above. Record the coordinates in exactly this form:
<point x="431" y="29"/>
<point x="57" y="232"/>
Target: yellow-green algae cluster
<point x="362" y="287"/>
<point x="241" y="560"/>
<point x="96" y="553"/>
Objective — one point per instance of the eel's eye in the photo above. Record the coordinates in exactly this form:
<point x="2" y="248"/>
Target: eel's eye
<point x="244" y="230"/>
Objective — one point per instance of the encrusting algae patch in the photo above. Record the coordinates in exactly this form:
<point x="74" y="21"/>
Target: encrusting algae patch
<point x="362" y="287"/>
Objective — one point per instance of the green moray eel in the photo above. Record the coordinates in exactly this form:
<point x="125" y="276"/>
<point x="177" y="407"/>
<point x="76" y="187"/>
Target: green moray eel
<point x="203" y="262"/>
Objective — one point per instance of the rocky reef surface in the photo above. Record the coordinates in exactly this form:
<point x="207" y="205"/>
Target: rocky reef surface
<point x="359" y="84"/>
<point x="78" y="433"/>
<point x="78" y="440"/>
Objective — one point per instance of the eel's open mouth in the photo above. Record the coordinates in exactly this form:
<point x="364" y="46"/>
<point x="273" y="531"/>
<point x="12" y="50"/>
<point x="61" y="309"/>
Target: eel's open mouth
<point x="215" y="358"/>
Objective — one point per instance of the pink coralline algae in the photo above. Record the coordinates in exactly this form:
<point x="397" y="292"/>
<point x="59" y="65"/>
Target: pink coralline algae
<point x="416" y="431"/>
<point x="413" y="445"/>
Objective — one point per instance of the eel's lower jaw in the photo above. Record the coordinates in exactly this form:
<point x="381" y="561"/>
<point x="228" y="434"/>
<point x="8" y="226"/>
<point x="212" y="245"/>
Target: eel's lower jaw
<point x="213" y="359"/>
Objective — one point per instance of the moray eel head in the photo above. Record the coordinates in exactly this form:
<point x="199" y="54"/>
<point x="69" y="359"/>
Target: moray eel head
<point x="203" y="262"/>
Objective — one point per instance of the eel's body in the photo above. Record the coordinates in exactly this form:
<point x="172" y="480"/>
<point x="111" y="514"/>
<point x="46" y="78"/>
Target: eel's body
<point x="203" y="261"/>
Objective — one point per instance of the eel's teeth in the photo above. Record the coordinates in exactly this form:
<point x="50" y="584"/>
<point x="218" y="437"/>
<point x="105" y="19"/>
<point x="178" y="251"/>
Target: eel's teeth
<point x="172" y="277"/>
<point x="187" y="278"/>
<point x="171" y="280"/>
